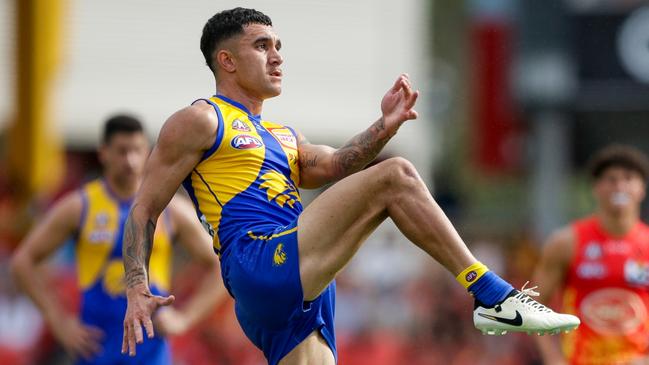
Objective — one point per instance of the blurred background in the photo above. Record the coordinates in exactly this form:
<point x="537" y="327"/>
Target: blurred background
<point x="515" y="95"/>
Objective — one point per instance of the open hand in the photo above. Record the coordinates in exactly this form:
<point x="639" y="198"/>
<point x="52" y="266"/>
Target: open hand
<point x="76" y="338"/>
<point x="141" y="306"/>
<point x="397" y="104"/>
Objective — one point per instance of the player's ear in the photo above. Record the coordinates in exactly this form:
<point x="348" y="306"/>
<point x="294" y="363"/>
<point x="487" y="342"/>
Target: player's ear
<point x="225" y="60"/>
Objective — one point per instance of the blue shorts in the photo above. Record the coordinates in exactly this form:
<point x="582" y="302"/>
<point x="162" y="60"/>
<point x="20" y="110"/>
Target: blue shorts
<point x="262" y="273"/>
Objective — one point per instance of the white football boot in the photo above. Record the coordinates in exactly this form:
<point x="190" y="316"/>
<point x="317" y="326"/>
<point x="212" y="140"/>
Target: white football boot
<point x="520" y="313"/>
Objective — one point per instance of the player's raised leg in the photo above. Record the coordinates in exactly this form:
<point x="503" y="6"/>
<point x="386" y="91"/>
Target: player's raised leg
<point x="334" y="225"/>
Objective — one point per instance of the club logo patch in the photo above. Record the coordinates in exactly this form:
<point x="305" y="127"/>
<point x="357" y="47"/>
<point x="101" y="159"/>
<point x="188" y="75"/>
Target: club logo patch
<point x="279" y="257"/>
<point x="245" y="142"/>
<point x="279" y="189"/>
<point x="239" y="125"/>
<point x="613" y="311"/>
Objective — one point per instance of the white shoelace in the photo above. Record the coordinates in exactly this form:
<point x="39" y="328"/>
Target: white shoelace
<point x="529" y="291"/>
<point x="525" y="297"/>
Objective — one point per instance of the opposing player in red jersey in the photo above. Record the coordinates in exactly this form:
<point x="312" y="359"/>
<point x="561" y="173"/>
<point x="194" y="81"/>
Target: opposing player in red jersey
<point x="602" y="264"/>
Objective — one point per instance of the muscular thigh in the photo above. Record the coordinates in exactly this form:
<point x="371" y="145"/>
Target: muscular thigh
<point x="333" y="226"/>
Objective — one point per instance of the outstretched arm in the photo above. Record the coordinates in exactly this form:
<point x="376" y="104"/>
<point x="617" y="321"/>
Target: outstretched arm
<point x="549" y="277"/>
<point x="48" y="235"/>
<point x="182" y="141"/>
<point x="210" y="290"/>
<point x="320" y="165"/>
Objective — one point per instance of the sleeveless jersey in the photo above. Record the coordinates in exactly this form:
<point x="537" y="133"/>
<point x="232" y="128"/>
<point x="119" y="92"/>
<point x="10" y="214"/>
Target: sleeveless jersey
<point x="100" y="268"/>
<point x="607" y="287"/>
<point x="246" y="184"/>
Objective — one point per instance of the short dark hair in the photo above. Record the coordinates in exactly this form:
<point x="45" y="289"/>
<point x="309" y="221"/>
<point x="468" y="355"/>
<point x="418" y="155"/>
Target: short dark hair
<point x="121" y="123"/>
<point x="618" y="155"/>
<point x="226" y="24"/>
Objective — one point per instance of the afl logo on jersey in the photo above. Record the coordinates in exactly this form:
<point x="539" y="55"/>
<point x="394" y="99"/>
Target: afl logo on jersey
<point x="239" y="125"/>
<point x="245" y="142"/>
<point x="470" y="276"/>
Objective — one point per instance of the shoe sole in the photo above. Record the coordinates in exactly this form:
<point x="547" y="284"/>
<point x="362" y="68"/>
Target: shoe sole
<point x="500" y="331"/>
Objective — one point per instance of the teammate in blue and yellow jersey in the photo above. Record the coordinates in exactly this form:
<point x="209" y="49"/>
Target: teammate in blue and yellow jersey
<point x="279" y="260"/>
<point x="95" y="216"/>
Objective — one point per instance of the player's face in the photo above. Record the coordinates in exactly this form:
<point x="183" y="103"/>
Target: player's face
<point x="619" y="189"/>
<point x="124" y="156"/>
<point x="257" y="61"/>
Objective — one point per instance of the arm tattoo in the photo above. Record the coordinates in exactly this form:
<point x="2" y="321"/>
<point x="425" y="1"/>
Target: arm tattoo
<point x="360" y="150"/>
<point x="138" y="242"/>
<point x="308" y="160"/>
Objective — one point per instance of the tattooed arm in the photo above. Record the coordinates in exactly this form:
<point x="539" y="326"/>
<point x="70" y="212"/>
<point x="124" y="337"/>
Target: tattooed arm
<point x="136" y="255"/>
<point x="320" y="165"/>
<point x="182" y="141"/>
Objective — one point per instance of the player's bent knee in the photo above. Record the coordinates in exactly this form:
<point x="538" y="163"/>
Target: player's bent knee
<point x="402" y="172"/>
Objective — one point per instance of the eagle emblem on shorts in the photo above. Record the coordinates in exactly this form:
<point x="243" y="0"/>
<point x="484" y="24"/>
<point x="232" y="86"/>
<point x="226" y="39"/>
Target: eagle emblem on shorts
<point x="279" y="257"/>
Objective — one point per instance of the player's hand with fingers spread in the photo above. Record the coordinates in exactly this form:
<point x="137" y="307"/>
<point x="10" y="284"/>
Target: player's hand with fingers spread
<point x="398" y="103"/>
<point x="141" y="306"/>
<point x="76" y="338"/>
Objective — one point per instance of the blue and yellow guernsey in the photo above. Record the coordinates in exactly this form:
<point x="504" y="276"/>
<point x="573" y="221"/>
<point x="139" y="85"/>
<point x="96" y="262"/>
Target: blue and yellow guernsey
<point x="99" y="257"/>
<point x="245" y="193"/>
<point x="246" y="184"/>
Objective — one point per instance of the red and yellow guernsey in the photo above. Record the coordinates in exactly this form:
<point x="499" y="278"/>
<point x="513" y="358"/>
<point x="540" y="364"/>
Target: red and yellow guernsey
<point x="607" y="287"/>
